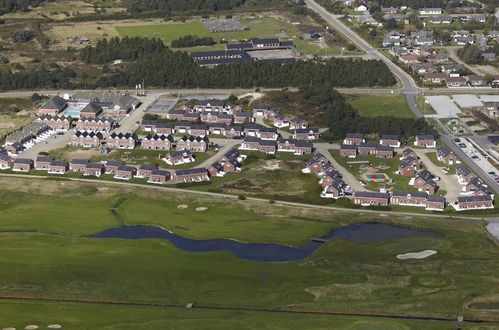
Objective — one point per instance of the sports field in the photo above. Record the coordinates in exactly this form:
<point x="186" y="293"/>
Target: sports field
<point x="265" y="27"/>
<point x="374" y="105"/>
<point x="342" y="276"/>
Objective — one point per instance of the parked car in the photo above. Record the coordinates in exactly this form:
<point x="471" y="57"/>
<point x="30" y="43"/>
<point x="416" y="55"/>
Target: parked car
<point x="462" y="145"/>
<point x="457" y="140"/>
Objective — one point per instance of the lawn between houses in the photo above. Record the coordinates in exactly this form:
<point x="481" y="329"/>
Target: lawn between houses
<point x="375" y="105"/>
<point x="342" y="276"/>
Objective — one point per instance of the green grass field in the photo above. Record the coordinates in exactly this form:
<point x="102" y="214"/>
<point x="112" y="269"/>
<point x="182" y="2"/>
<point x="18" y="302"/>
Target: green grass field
<point x="374" y="105"/>
<point x="342" y="276"/>
<point x="266" y="27"/>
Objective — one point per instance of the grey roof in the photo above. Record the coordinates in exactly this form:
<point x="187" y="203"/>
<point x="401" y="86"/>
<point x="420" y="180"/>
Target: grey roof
<point x="79" y="161"/>
<point x="126" y="168"/>
<point x="251" y="139"/>
<point x="191" y="171"/>
<point x="160" y="172"/>
<point x="484" y="198"/>
<point x="385" y="148"/>
<point x="235" y="128"/>
<point x="164" y="125"/>
<point x="407" y="162"/>
<point x="418" y="194"/>
<point x="55" y="103"/>
<point x="58" y="163"/>
<point x="114" y="163"/>
<point x="23" y="161"/>
<point x="337" y="184"/>
<point x="260" y="107"/>
<point x="370" y="194"/>
<point x="126" y="101"/>
<point x="348" y="147"/>
<point x="304" y="144"/>
<point x="432" y="198"/>
<point x="4" y="157"/>
<point x="234" y="153"/>
<point x="390" y="137"/>
<point x="424" y="137"/>
<point x="183" y="153"/>
<point x="44" y="159"/>
<point x="463" y="170"/>
<point x="368" y="145"/>
<point x="94" y="165"/>
<point x="268" y="143"/>
<point x="354" y="136"/>
<point x="217" y="166"/>
<point x="147" y="167"/>
<point x="425" y="175"/>
<point x="149" y="122"/>
<point x="92" y="107"/>
<point x="444" y="152"/>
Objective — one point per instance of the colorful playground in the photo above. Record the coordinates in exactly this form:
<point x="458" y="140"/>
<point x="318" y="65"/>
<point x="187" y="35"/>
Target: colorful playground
<point x="375" y="177"/>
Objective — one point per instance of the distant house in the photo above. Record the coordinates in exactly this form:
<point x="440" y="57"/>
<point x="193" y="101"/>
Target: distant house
<point x="354" y="138"/>
<point x="455" y="81"/>
<point x="22" y="165"/>
<point x="78" y="165"/>
<point x="446" y="156"/>
<point x="435" y="203"/>
<point x="476" y="80"/>
<point x="390" y="141"/>
<point x="159" y="176"/>
<point x="409" y="166"/>
<point x="58" y="167"/>
<point x="464" y="175"/>
<point x="191" y="175"/>
<point x="409" y="198"/>
<point x="124" y="104"/>
<point x="361" y="8"/>
<point x="306" y="134"/>
<point x="42" y="163"/>
<point x="367" y="198"/>
<point x="430" y="11"/>
<point x="425" y="141"/>
<point x="93" y="169"/>
<point x="334" y="190"/>
<point x="157" y="142"/>
<point x="125" y="172"/>
<point x="122" y="140"/>
<point x="53" y="106"/>
<point x="490" y="57"/>
<point x="473" y="203"/>
<point x="91" y="110"/>
<point x="314" y="34"/>
<point x="491" y="109"/>
<point x="348" y="150"/>
<point x="435" y="78"/>
<point x="179" y="157"/>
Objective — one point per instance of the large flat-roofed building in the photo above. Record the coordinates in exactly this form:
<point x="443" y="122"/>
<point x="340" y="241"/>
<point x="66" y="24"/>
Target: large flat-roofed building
<point x="271" y="49"/>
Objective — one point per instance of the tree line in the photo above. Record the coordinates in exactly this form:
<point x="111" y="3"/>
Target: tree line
<point x="192" y="41"/>
<point x="161" y="66"/>
<point x="138" y="6"/>
<point x="9" y="6"/>
<point x="342" y="118"/>
<point x="471" y="54"/>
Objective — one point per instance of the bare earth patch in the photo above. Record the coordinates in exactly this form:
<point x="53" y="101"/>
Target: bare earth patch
<point x="182" y="206"/>
<point x="201" y="209"/>
<point x="416" y="255"/>
<point x="271" y="165"/>
<point x="54" y="326"/>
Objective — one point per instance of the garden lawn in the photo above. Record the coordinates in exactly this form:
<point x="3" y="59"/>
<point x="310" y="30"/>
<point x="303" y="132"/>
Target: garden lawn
<point x="375" y="105"/>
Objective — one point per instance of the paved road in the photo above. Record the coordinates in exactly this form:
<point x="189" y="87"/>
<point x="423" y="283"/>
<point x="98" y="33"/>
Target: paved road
<point x="405" y="79"/>
<point x="452" y="51"/>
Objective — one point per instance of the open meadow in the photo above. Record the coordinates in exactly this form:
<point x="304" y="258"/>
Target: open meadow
<point x="374" y="105"/>
<point x="59" y="262"/>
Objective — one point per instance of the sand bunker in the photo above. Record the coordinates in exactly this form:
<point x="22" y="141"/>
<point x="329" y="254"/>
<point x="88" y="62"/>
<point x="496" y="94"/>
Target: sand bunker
<point x="8" y="328"/>
<point x="31" y="327"/>
<point x="200" y="209"/>
<point x="182" y="206"/>
<point x="54" y="326"/>
<point x="416" y="255"/>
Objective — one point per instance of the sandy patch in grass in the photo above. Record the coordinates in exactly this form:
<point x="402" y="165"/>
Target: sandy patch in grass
<point x="201" y="209"/>
<point x="54" y="326"/>
<point x="8" y="328"/>
<point x="31" y="327"/>
<point x="271" y="165"/>
<point x="416" y="255"/>
<point x="81" y="154"/>
<point x="182" y="206"/>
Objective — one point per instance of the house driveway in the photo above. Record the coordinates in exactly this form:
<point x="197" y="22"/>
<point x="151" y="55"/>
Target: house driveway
<point x="447" y="182"/>
<point x="348" y="177"/>
<point x="227" y="145"/>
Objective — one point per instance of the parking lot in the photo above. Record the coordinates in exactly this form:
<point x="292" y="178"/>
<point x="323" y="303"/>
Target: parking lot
<point x="443" y="105"/>
<point x="469" y="149"/>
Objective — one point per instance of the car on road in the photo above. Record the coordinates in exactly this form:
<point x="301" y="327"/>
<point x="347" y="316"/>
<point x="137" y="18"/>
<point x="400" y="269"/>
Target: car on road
<point x="462" y="145"/>
<point x="60" y="133"/>
<point x="475" y="158"/>
<point x="457" y="140"/>
<point x="137" y="123"/>
<point x="362" y="182"/>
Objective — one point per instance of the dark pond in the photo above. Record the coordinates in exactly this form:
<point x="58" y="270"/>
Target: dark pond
<point x="360" y="233"/>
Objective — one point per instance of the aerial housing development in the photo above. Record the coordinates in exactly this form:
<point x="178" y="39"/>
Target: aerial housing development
<point x="249" y="164"/>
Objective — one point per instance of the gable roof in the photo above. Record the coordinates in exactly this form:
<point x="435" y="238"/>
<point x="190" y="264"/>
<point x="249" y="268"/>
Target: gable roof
<point x="55" y="103"/>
